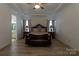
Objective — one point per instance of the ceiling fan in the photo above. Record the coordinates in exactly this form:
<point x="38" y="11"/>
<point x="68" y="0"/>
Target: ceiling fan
<point x="38" y="5"/>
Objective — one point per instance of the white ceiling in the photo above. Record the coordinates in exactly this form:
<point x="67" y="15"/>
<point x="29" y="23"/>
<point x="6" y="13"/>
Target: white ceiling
<point x="50" y="9"/>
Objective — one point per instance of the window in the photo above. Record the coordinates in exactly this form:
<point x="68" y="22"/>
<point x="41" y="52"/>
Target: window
<point x="55" y="22"/>
<point x="13" y="27"/>
<point x="13" y="19"/>
<point x="27" y="24"/>
<point x="50" y="23"/>
<point x="13" y="22"/>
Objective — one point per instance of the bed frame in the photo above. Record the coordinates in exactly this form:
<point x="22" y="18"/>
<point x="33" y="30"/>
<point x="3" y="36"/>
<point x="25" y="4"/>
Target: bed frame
<point x="38" y="40"/>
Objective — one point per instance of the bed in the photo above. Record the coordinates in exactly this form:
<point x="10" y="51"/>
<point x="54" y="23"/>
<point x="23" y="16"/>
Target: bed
<point x="39" y="36"/>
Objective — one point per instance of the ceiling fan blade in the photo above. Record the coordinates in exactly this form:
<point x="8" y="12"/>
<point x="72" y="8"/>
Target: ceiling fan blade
<point x="33" y="8"/>
<point x="42" y="7"/>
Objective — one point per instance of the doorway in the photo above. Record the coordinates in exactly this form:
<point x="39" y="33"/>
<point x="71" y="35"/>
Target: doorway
<point x="13" y="27"/>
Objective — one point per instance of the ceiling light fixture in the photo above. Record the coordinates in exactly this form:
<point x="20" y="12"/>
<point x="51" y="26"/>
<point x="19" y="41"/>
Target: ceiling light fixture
<point x="37" y="6"/>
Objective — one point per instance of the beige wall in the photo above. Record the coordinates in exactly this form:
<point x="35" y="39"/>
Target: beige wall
<point x="38" y="20"/>
<point x="67" y="25"/>
<point x="5" y="26"/>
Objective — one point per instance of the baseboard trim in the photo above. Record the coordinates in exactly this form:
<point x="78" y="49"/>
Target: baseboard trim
<point x="64" y="43"/>
<point x="5" y="47"/>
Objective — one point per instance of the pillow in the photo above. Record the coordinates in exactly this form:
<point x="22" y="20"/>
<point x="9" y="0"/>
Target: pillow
<point x="35" y="30"/>
<point x="43" y="30"/>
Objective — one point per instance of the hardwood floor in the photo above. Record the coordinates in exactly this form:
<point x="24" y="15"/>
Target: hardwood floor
<point x="19" y="48"/>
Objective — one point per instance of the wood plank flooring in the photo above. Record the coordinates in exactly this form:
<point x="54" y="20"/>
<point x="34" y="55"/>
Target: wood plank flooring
<point x="19" y="48"/>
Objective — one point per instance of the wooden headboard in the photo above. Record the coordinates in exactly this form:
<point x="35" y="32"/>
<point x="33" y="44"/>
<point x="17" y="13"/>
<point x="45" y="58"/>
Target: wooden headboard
<point x="36" y="26"/>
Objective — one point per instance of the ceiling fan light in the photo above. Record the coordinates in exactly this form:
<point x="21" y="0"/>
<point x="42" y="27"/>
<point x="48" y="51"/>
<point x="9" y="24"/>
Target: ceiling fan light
<point x="37" y="6"/>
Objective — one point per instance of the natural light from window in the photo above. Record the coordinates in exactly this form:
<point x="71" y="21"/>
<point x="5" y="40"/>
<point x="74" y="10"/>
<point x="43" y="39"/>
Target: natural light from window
<point x="27" y="23"/>
<point x="13" y="19"/>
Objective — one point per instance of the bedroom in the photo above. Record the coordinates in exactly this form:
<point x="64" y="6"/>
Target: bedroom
<point x="61" y="15"/>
